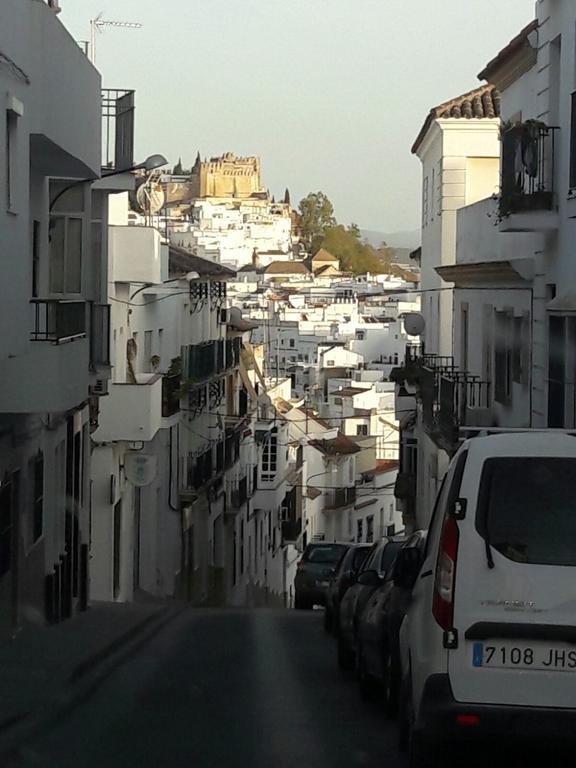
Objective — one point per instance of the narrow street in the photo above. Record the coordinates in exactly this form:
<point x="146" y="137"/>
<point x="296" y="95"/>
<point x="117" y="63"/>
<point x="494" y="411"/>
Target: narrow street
<point x="226" y="688"/>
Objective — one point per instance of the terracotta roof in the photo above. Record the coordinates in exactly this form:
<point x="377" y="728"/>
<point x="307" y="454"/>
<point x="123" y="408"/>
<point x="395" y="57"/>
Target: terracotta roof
<point x="286" y="268"/>
<point x="340" y="445"/>
<point x="516" y="44"/>
<point x="385" y="465"/>
<point x="314" y="417"/>
<point x="349" y="391"/>
<point x="181" y="261"/>
<point x="481" y="103"/>
<point x="321" y="270"/>
<point x="324" y="255"/>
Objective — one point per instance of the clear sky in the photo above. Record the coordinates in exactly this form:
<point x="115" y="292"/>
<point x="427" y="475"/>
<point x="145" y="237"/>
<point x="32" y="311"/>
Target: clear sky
<point x="329" y="93"/>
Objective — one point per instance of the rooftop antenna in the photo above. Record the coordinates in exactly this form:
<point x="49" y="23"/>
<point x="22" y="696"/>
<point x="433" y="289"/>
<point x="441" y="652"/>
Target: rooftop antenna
<point x="98" y="24"/>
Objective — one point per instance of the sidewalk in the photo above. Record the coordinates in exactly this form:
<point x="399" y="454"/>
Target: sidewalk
<point x="43" y="669"/>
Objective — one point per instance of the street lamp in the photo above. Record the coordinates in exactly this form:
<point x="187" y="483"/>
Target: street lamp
<point x="151" y="163"/>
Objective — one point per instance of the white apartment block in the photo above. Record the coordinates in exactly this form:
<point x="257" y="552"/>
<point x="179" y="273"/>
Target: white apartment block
<point x="55" y="362"/>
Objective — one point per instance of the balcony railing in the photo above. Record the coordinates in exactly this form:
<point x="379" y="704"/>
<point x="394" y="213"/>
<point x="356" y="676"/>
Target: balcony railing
<point x="199" y="470"/>
<point x="171" y="384"/>
<point x="446" y="398"/>
<point x="58" y="321"/>
<point x="239" y="496"/>
<point x="340" y="497"/>
<point x="212" y="358"/>
<point x="528" y="153"/>
<point x="99" y="334"/>
<point x="117" y="129"/>
<point x="291" y="530"/>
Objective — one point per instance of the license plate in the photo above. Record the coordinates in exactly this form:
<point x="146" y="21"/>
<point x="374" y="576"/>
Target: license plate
<point x="510" y="655"/>
<point x="322" y="584"/>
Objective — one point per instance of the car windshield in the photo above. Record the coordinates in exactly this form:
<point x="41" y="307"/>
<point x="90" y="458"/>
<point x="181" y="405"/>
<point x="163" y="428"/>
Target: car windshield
<point x="389" y="555"/>
<point x="527" y="509"/>
<point x="325" y="554"/>
<point x="360" y="554"/>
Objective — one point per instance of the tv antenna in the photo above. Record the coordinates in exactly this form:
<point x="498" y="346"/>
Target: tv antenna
<point x="98" y="25"/>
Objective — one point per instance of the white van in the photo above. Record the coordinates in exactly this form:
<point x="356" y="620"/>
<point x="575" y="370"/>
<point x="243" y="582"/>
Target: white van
<point x="488" y="645"/>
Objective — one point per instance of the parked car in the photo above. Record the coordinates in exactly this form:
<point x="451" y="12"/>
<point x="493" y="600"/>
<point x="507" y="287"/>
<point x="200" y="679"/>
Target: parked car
<point x="370" y="577"/>
<point x="377" y="642"/>
<point x="343" y="577"/>
<point x="313" y="572"/>
<point x="488" y="644"/>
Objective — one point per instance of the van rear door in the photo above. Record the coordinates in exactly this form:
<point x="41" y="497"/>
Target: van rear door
<point x="515" y="587"/>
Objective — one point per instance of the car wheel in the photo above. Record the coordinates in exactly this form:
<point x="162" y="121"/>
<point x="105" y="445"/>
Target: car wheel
<point x="301" y="603"/>
<point x="328" y="621"/>
<point x="390" y="687"/>
<point x="345" y="655"/>
<point x="366" y="684"/>
<point x="421" y="753"/>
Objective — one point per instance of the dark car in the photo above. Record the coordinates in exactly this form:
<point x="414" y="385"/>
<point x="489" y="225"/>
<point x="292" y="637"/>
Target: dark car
<point x="343" y="577"/>
<point x="377" y="639"/>
<point x="313" y="573"/>
<point x="371" y="576"/>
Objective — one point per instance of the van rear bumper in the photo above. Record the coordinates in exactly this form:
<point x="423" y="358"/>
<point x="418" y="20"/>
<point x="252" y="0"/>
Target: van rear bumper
<point x="438" y="718"/>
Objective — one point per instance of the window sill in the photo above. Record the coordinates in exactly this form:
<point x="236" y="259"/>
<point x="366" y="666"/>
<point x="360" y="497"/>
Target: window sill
<point x="11" y="212"/>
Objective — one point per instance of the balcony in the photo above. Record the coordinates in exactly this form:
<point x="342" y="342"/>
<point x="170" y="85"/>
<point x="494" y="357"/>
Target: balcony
<point x="527" y="198"/>
<point x="171" y="384"/>
<point x="239" y="496"/>
<point x="57" y="321"/>
<point x="200" y="470"/>
<point x="405" y="485"/>
<point x="340" y="497"/>
<point x="117" y="129"/>
<point x="132" y="412"/>
<point x="291" y="530"/>
<point x="99" y="335"/>
<point x="452" y="399"/>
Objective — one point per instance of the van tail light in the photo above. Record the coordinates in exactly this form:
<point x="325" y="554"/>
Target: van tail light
<point x="300" y="565"/>
<point x="443" y="600"/>
<point x="467" y="719"/>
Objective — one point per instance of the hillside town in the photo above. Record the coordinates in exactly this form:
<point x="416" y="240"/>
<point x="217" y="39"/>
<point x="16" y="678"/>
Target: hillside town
<point x="204" y="385"/>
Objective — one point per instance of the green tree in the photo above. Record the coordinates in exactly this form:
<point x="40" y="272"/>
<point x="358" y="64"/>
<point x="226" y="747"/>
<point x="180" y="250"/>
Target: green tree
<point x="316" y="215"/>
<point x="354" y="255"/>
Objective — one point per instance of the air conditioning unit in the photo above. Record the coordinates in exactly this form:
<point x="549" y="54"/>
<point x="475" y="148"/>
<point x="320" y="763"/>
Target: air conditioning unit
<point x="100" y="387"/>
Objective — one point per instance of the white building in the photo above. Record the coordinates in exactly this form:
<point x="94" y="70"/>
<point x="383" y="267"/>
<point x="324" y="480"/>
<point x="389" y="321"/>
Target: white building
<point x="53" y="309"/>
<point x="235" y="232"/>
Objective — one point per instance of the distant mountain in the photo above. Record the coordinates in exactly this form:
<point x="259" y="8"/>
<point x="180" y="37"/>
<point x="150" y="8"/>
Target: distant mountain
<point x="410" y="240"/>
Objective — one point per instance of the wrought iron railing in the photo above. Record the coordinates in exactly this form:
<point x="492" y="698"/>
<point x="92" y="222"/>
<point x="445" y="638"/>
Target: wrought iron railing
<point x="171" y="385"/>
<point x="117" y="128"/>
<point x="340" y="497"/>
<point x="58" y="321"/>
<point x="528" y="155"/>
<point x="99" y="334"/>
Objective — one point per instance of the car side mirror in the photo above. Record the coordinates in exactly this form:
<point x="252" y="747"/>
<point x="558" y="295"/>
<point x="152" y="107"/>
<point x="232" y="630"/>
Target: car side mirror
<point x="369" y="579"/>
<point x="407" y="567"/>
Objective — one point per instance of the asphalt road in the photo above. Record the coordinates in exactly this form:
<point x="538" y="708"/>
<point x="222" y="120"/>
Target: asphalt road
<point x="231" y="689"/>
<point x="225" y="689"/>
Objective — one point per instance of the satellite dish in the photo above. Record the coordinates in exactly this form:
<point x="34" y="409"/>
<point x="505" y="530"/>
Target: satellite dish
<point x="414" y="324"/>
<point x="148" y="198"/>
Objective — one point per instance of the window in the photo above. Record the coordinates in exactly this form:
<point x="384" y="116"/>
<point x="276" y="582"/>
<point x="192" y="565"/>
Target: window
<point x="270" y="456"/>
<point x="329" y="363"/>
<point x="362" y="430"/>
<point x="359" y="530"/>
<point x="291" y="342"/>
<point x="10" y="157"/>
<point x="526" y="509"/>
<point x="65" y="237"/>
<point x="370" y="529"/>
<point x="425" y="203"/>
<point x="503" y="358"/>
<point x="5" y="527"/>
<point x="573" y="144"/>
<point x="37" y="486"/>
<point x="359" y="335"/>
<point x="35" y="257"/>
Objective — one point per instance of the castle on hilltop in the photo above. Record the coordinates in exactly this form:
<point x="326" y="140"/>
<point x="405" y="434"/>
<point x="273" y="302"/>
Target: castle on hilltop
<point x="226" y="176"/>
